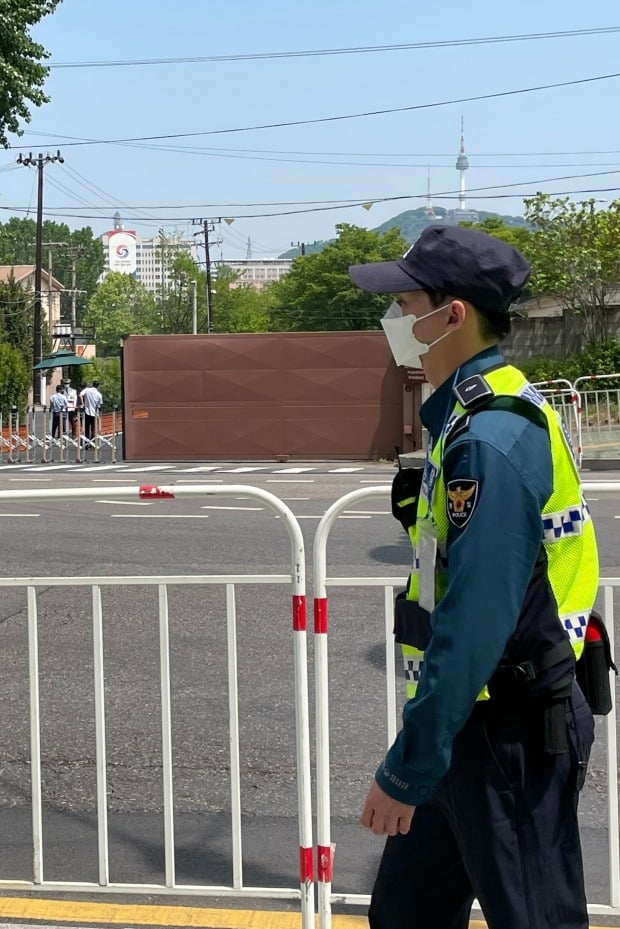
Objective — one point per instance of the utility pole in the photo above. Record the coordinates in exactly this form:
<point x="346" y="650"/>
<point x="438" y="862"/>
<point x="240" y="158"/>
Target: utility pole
<point x="302" y="246"/>
<point x="76" y="252"/>
<point x="208" y="225"/>
<point x="194" y="307"/>
<point x="37" y="354"/>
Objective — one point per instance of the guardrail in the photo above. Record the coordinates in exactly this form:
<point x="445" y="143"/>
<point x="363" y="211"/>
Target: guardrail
<point x="589" y="413"/>
<point x="32" y="437"/>
<point x="295" y="577"/>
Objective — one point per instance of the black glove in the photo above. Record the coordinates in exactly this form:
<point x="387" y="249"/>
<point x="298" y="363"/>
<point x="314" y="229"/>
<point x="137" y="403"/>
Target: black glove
<point x="405" y="492"/>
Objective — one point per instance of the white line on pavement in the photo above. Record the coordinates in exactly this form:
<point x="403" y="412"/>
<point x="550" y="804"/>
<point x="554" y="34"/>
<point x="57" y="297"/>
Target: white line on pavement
<point x="37" y="479"/>
<point x="11" y="515"/>
<point x="292" y="470"/>
<point x="368" y="512"/>
<point x="201" y="468"/>
<point x="110" y="467"/>
<point x="49" y="467"/>
<point x="242" y="470"/>
<point x="157" y="516"/>
<point x="231" y="507"/>
<point x="127" y="502"/>
<point x="343" y="470"/>
<point x="283" y="480"/>
<point x="147" y="468"/>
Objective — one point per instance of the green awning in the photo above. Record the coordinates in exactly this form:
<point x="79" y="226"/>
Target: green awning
<point x="62" y="360"/>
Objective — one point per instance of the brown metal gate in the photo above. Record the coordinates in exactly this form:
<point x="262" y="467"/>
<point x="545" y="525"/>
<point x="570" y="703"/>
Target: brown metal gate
<point x="261" y="396"/>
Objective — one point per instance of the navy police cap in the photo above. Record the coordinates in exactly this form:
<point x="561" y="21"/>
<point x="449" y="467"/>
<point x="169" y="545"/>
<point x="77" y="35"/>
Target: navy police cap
<point x="459" y="262"/>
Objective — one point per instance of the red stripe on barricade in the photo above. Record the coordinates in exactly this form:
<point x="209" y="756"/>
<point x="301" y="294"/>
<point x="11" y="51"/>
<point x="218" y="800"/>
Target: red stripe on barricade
<point x="320" y="614"/>
<point x="154" y="492"/>
<point x="299" y="613"/>
<point x="305" y="865"/>
<point x="324" y="863"/>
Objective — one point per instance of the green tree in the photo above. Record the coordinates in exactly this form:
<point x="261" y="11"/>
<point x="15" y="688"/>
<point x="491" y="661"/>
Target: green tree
<point x="239" y="308"/>
<point x="21" y="73"/>
<point x="120" y="306"/>
<point x="575" y="256"/>
<point x="519" y="237"/>
<point x="318" y="295"/>
<point x="17" y="246"/>
<point x="14" y="379"/>
<point x="177" y="300"/>
<point x="16" y="318"/>
<point x="108" y="372"/>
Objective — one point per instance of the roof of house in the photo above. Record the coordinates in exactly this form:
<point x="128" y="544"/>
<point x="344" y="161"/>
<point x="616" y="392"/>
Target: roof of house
<point x="21" y="272"/>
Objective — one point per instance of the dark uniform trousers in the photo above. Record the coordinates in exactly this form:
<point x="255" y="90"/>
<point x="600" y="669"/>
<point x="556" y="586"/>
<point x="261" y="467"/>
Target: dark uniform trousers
<point x="501" y="826"/>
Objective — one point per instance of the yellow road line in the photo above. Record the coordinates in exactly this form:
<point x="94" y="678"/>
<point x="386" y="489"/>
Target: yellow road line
<point x="74" y="911"/>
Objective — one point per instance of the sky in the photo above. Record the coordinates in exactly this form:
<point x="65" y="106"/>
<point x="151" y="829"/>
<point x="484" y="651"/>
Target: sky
<point x="310" y="173"/>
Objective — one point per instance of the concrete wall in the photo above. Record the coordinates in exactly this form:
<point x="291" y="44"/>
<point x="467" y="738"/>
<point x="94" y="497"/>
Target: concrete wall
<point x="551" y="337"/>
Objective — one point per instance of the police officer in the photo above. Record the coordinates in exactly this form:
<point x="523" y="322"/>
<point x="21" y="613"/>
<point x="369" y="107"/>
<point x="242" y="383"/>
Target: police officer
<point x="478" y="794"/>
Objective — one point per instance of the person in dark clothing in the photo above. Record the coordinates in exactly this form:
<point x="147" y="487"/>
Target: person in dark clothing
<point x="478" y="794"/>
<point x="58" y="407"/>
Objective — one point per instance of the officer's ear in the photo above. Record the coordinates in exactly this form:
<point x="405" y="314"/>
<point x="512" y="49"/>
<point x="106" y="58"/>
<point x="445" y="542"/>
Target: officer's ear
<point x="457" y="314"/>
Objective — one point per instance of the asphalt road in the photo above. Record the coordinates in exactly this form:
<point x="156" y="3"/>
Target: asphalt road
<point x="211" y="536"/>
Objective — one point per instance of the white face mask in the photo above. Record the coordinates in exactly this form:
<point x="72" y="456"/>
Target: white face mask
<point x="399" y="330"/>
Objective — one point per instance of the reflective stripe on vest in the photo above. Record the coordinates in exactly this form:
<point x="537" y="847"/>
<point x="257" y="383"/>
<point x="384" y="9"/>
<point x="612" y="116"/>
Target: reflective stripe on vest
<point x="567" y="532"/>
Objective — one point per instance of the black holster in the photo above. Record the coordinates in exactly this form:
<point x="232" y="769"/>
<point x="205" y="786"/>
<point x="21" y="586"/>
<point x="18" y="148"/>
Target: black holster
<point x="594" y="666"/>
<point x="513" y="683"/>
<point x="555" y="733"/>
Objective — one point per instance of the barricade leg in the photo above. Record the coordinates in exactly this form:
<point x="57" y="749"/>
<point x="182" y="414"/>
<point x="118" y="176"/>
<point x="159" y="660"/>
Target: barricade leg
<point x="13" y="448"/>
<point x="96" y="441"/>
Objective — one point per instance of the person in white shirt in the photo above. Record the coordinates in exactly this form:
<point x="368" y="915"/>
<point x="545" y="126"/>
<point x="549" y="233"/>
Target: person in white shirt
<point x="91" y="400"/>
<point x="72" y="403"/>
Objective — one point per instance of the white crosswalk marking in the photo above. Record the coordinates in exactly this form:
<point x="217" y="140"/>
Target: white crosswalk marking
<point x="292" y="470"/>
<point x="343" y="470"/>
<point x="147" y="468"/>
<point x="201" y="468"/>
<point x="243" y="470"/>
<point x="109" y="467"/>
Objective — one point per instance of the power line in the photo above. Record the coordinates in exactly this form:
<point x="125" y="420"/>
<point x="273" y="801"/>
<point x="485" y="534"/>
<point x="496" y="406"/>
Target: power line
<point x="343" y="206"/>
<point x="350" y="201"/>
<point x="331" y="119"/>
<point x="390" y="154"/>
<point x="352" y="50"/>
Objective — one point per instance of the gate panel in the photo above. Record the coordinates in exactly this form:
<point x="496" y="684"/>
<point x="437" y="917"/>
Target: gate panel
<point x="261" y="396"/>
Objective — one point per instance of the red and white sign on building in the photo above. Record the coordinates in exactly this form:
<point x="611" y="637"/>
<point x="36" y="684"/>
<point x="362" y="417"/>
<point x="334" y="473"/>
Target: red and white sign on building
<point x="122" y="251"/>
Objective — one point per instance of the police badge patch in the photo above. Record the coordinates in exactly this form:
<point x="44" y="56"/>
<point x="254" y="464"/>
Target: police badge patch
<point x="461" y="501"/>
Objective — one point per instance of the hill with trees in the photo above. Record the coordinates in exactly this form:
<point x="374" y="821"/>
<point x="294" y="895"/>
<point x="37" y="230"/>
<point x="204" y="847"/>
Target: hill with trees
<point x="411" y="223"/>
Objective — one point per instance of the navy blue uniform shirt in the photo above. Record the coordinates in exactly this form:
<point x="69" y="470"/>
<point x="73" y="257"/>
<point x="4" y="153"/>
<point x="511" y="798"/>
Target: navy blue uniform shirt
<point x="490" y="562"/>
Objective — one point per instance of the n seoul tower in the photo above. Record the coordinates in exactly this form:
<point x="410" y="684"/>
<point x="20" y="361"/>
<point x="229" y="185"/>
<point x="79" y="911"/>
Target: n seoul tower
<point x="462" y="164"/>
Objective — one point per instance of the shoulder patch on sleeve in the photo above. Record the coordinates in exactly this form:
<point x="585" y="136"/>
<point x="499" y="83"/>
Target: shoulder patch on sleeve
<point x="462" y="498"/>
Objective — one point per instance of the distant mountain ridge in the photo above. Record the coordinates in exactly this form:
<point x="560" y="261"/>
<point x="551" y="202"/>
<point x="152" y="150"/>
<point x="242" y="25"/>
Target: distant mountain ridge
<point x="411" y="224"/>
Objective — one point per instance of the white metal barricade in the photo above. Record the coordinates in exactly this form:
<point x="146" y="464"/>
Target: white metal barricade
<point x="326" y="896"/>
<point x="599" y="409"/>
<point x="296" y="578"/>
<point x="564" y="398"/>
<point x="29" y="438"/>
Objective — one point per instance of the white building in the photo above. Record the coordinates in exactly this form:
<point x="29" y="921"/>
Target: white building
<point x="153" y="257"/>
<point x="256" y="272"/>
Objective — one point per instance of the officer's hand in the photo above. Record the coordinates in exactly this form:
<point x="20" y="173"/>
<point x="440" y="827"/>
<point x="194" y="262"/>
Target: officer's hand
<point x="385" y="816"/>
